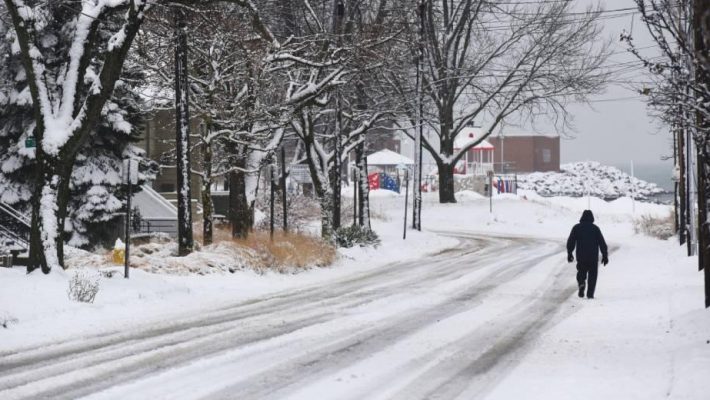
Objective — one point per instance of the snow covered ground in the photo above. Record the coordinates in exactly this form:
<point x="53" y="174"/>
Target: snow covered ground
<point x="495" y="316"/>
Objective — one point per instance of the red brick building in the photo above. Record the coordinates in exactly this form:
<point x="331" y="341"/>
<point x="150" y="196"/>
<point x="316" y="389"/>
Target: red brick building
<point x="526" y="152"/>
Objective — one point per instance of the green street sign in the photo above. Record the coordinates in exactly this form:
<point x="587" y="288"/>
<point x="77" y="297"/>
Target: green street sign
<point x="30" y="142"/>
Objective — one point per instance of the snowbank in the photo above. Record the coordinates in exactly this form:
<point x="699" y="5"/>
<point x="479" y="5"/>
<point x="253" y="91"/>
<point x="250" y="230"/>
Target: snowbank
<point x="36" y="308"/>
<point x="582" y="178"/>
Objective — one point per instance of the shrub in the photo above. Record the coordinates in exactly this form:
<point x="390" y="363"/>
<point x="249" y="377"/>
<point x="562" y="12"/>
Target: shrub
<point x="82" y="288"/>
<point x="658" y="227"/>
<point x="288" y="251"/>
<point x="301" y="211"/>
<point x="349" y="236"/>
<point x="6" y="320"/>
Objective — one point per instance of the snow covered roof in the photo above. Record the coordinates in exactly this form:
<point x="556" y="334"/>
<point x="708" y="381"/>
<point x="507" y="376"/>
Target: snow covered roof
<point x="388" y="157"/>
<point x="471" y="134"/>
<point x="513" y="133"/>
<point x="154" y="206"/>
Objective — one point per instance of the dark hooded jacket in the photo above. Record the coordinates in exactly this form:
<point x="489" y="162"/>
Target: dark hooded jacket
<point x="587" y="238"/>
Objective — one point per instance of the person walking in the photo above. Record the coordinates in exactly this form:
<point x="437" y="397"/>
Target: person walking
<point x="587" y="238"/>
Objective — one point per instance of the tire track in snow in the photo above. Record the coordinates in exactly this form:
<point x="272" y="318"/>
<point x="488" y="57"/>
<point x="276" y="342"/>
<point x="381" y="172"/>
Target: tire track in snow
<point x="105" y="343"/>
<point x="244" y="309"/>
<point x="472" y="372"/>
<point x="335" y="354"/>
<point x="317" y="364"/>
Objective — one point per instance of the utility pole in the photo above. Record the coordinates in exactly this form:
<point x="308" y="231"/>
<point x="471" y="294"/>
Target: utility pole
<point x="675" y="179"/>
<point x="272" y="182"/>
<point x="700" y="8"/>
<point x="182" y="137"/>
<point x="689" y="183"/>
<point x="336" y="178"/>
<point x="130" y="178"/>
<point x="417" y="197"/>
<point x="406" y="200"/>
<point x="682" y="193"/>
<point x="284" y="206"/>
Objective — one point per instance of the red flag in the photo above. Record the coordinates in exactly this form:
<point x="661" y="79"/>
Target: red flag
<point x="374" y="180"/>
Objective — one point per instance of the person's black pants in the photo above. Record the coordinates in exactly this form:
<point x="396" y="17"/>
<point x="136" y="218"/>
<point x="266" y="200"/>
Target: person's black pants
<point x="587" y="273"/>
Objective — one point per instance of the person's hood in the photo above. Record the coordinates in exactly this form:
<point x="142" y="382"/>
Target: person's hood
<point x="587" y="216"/>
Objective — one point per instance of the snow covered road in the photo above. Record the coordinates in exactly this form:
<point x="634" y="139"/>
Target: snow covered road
<point x="447" y="326"/>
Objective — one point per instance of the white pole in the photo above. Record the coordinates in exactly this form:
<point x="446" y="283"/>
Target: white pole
<point x="633" y="190"/>
<point x="502" y="151"/>
<point x="692" y="192"/>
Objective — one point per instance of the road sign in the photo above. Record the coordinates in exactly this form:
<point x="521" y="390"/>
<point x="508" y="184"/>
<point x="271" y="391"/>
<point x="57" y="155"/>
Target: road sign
<point x="130" y="171"/>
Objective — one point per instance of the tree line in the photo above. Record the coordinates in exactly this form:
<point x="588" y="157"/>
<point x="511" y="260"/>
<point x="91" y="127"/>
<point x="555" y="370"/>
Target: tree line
<point x="320" y="75"/>
<point x="679" y="95"/>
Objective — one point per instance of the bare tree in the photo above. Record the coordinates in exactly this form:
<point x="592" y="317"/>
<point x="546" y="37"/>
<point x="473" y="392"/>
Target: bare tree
<point x="72" y="67"/>
<point x="229" y="88"/>
<point x="680" y="97"/>
<point x="335" y="124"/>
<point x="487" y="62"/>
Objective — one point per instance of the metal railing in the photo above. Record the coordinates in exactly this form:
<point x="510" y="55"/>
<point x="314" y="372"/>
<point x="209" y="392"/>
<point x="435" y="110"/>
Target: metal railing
<point x="14" y="229"/>
<point x="147" y="227"/>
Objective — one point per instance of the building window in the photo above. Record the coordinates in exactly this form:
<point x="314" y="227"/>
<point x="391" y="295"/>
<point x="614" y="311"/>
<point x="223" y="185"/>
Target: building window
<point x="546" y="155"/>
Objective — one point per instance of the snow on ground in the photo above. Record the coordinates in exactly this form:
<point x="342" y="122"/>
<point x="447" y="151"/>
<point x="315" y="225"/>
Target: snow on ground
<point x="37" y="309"/>
<point x="580" y="178"/>
<point x="646" y="336"/>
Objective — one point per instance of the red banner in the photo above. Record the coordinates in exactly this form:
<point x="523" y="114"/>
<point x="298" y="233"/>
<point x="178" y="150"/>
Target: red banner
<point x="374" y="180"/>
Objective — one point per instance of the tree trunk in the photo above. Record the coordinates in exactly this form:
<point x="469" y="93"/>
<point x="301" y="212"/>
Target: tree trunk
<point x="207" y="206"/>
<point x="207" y="213"/>
<point x="182" y="127"/>
<point x="336" y="183"/>
<point x="241" y="213"/>
<point x="63" y="197"/>
<point x="322" y="189"/>
<point x="49" y="211"/>
<point x="363" y="198"/>
<point x="446" y="183"/>
<point x="325" y="198"/>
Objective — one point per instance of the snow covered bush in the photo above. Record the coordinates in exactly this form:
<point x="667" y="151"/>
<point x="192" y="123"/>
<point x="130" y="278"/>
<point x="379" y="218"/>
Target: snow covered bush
<point x="6" y="320"/>
<point x="356" y="235"/>
<point x="83" y="288"/>
<point x="658" y="227"/>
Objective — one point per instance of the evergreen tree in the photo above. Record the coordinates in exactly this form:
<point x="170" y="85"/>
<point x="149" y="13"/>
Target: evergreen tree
<point x="97" y="193"/>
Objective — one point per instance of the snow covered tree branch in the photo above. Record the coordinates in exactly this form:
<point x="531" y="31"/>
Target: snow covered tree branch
<point x="486" y="62"/>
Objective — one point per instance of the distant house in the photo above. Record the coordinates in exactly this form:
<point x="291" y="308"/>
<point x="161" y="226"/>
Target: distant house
<point x="477" y="160"/>
<point x="526" y="152"/>
<point x="157" y="214"/>
<point x="387" y="161"/>
<point x="159" y="143"/>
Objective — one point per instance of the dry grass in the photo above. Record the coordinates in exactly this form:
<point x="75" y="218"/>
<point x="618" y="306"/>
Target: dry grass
<point x="658" y="227"/>
<point x="286" y="253"/>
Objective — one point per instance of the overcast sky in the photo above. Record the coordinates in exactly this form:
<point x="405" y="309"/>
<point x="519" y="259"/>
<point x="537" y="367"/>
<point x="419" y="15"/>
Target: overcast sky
<point x="615" y="132"/>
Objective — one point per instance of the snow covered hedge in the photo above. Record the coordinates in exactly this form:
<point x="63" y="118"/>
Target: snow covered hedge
<point x="578" y="179"/>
